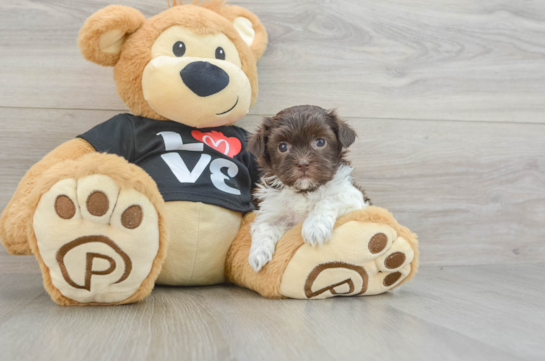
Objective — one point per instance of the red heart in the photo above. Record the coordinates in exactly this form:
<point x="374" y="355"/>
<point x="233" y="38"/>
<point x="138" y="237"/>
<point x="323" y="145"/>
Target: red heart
<point x="230" y="146"/>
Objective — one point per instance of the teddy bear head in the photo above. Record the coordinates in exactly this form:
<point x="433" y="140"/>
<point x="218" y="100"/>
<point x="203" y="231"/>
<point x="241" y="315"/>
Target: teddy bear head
<point x="193" y="63"/>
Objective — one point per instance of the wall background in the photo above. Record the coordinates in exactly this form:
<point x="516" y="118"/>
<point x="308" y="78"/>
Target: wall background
<point x="448" y="99"/>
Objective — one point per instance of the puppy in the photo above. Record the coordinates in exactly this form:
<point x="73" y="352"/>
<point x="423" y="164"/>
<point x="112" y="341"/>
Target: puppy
<point x="306" y="178"/>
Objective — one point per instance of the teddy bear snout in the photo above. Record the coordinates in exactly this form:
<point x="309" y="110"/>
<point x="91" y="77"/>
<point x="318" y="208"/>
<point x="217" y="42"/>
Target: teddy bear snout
<point x="204" y="78"/>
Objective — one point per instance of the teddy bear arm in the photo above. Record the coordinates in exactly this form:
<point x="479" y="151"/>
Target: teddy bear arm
<point x="14" y="221"/>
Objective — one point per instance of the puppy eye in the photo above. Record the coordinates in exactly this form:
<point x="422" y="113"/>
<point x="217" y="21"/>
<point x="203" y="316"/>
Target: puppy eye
<point x="220" y="53"/>
<point x="283" y="147"/>
<point x="179" y="48"/>
<point x="320" y="142"/>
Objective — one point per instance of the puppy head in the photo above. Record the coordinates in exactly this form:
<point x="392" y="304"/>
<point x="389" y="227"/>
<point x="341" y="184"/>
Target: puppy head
<point x="302" y="146"/>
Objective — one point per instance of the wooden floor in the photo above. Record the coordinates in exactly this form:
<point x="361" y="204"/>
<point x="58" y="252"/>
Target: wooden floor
<point x="491" y="312"/>
<point x="448" y="98"/>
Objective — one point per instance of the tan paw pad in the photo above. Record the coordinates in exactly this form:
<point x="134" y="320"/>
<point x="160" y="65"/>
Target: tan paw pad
<point x="384" y="281"/>
<point x="97" y="195"/>
<point x="399" y="255"/>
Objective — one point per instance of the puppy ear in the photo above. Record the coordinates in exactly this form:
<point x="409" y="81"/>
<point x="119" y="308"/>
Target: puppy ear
<point x="103" y="34"/>
<point x="345" y="133"/>
<point x="249" y="27"/>
<point x="258" y="141"/>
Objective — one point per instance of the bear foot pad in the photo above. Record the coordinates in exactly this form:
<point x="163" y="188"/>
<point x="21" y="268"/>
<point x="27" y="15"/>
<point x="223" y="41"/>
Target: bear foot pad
<point x="98" y="241"/>
<point x="361" y="258"/>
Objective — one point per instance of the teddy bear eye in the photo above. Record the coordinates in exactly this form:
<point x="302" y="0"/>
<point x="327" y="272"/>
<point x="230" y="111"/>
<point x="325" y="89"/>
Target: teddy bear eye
<point x="179" y="48"/>
<point x="220" y="53"/>
<point x="283" y="147"/>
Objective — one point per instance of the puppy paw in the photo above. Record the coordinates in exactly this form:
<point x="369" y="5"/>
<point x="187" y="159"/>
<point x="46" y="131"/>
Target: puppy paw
<point x="317" y="229"/>
<point x="260" y="255"/>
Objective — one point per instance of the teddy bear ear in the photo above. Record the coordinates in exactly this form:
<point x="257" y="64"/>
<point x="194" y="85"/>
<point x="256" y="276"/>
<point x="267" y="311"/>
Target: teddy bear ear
<point x="103" y="34"/>
<point x="249" y="27"/>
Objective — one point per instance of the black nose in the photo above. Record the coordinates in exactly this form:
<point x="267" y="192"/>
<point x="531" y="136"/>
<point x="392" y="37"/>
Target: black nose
<point x="303" y="166"/>
<point x="204" y="78"/>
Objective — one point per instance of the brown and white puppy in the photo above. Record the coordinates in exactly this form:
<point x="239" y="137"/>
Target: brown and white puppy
<point x="306" y="177"/>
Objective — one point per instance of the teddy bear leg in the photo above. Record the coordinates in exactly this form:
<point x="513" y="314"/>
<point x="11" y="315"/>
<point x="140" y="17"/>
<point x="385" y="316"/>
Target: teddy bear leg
<point x="200" y="237"/>
<point x="267" y="281"/>
<point x="98" y="231"/>
<point x="368" y="253"/>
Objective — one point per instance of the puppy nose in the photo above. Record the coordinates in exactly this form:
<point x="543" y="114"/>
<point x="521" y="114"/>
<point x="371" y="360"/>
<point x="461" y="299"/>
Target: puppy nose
<point x="303" y="166"/>
<point x="204" y="78"/>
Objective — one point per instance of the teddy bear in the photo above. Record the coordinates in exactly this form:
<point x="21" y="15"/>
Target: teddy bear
<point x="162" y="195"/>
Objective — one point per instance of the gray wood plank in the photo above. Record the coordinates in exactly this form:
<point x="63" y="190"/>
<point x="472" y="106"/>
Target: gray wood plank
<point x="456" y="60"/>
<point x="455" y="313"/>
<point x="502" y="294"/>
<point x="9" y="264"/>
<point x="473" y="192"/>
<point x="20" y="283"/>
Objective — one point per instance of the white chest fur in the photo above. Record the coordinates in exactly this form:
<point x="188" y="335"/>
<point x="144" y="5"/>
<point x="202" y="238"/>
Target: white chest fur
<point x="282" y="207"/>
<point x="286" y="206"/>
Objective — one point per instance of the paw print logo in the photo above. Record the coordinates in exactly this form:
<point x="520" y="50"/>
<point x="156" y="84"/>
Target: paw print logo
<point x="355" y="274"/>
<point x="90" y="257"/>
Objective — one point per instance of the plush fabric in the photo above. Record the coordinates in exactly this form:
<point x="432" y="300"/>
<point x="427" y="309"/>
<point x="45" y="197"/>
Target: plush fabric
<point x="198" y="245"/>
<point x="126" y="176"/>
<point x="380" y="215"/>
<point x="268" y="282"/>
<point x="346" y="265"/>
<point x="259" y="43"/>
<point x="136" y="52"/>
<point x="102" y="36"/>
<point x="162" y="75"/>
<point x="103" y="247"/>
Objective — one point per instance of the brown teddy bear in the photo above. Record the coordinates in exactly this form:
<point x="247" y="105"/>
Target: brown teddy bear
<point x="159" y="195"/>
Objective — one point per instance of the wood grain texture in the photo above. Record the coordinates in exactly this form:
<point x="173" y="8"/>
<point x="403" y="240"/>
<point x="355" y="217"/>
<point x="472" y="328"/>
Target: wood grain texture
<point x="447" y="98"/>
<point x="489" y="312"/>
<point x="473" y="192"/>
<point x="455" y="60"/>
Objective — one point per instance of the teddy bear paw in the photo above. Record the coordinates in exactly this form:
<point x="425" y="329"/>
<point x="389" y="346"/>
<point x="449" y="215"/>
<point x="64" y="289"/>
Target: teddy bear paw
<point x="361" y="258"/>
<point x="98" y="241"/>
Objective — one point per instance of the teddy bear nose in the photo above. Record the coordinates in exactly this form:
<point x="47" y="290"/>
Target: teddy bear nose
<point x="204" y="78"/>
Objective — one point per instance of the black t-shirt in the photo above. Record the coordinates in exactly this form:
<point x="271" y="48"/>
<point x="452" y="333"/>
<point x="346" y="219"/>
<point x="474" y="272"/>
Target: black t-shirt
<point x="209" y="165"/>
